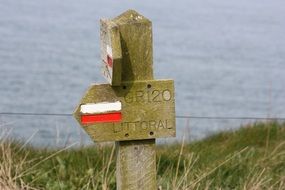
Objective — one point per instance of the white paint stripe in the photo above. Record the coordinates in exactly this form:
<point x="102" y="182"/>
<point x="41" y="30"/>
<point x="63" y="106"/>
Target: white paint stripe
<point x="109" y="51"/>
<point x="100" y="107"/>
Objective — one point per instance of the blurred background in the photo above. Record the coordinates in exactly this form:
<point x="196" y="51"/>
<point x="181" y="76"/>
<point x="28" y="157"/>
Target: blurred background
<point x="227" y="59"/>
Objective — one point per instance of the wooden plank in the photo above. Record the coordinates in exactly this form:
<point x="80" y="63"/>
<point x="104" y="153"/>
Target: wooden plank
<point x="148" y="110"/>
<point x="136" y="42"/>
<point x="136" y="166"/>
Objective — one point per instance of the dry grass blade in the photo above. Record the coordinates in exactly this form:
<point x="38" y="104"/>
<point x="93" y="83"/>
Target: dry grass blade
<point x="106" y="173"/>
<point x="189" y="164"/>
<point x="28" y="140"/>
<point x="192" y="185"/>
<point x="257" y="181"/>
<point x="11" y="169"/>
<point x="47" y="158"/>
<point x="174" y="185"/>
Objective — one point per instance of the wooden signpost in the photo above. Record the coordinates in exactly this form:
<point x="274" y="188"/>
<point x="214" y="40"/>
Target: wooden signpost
<point x="133" y="109"/>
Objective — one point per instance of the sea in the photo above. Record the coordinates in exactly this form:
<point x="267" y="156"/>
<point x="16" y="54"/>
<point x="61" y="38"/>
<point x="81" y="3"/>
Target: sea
<point x="227" y="59"/>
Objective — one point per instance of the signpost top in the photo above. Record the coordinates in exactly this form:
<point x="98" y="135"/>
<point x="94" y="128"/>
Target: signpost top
<point x="126" y="48"/>
<point x="131" y="17"/>
<point x="136" y="45"/>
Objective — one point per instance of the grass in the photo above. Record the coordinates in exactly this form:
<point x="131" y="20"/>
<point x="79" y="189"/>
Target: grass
<point x="252" y="157"/>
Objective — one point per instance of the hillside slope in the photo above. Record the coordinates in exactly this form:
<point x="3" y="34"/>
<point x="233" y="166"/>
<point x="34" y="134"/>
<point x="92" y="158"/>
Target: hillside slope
<point x="252" y="157"/>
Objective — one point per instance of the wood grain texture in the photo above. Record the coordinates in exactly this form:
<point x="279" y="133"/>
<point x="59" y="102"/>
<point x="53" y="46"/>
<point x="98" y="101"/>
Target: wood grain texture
<point x="136" y="41"/>
<point x="136" y="165"/>
<point x="136" y="169"/>
<point x="148" y="110"/>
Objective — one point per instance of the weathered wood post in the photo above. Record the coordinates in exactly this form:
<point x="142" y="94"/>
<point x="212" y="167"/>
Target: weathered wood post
<point x="136" y="160"/>
<point x="133" y="109"/>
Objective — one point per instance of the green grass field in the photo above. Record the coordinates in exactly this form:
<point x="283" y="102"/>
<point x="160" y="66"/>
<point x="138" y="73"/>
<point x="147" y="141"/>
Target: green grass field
<point x="252" y="157"/>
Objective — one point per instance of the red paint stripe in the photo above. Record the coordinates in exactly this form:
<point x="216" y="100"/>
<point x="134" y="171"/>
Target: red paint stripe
<point x="109" y="61"/>
<point x="101" y="118"/>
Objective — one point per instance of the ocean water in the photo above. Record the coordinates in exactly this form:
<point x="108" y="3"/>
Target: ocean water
<point x="227" y="59"/>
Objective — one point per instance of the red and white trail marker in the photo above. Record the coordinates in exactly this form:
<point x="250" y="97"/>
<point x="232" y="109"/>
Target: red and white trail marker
<point x="111" y="52"/>
<point x="109" y="61"/>
<point x="108" y="64"/>
<point x="102" y="112"/>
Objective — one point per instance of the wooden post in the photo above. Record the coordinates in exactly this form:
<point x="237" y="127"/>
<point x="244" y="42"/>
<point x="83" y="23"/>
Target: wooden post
<point x="133" y="109"/>
<point x="136" y="160"/>
<point x="136" y="165"/>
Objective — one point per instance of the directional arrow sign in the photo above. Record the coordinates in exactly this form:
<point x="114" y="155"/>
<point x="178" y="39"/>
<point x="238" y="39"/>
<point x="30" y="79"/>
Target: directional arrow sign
<point x="132" y="111"/>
